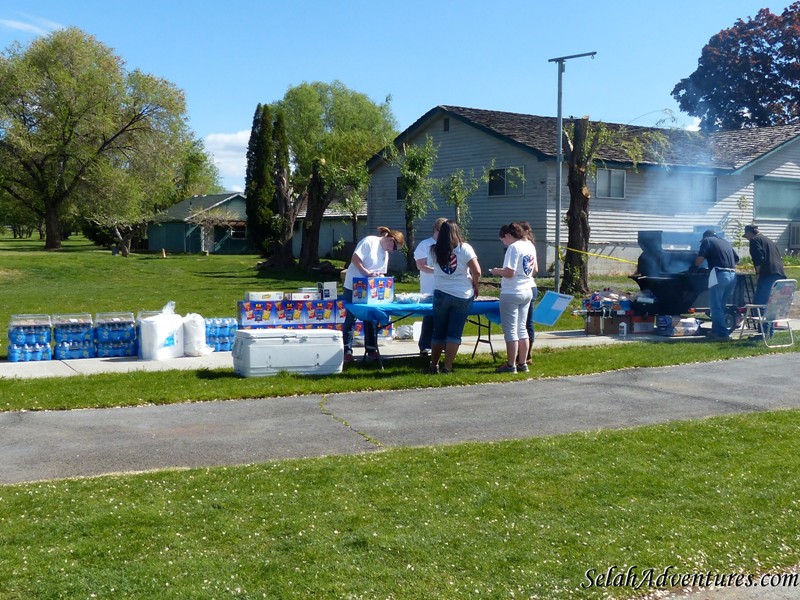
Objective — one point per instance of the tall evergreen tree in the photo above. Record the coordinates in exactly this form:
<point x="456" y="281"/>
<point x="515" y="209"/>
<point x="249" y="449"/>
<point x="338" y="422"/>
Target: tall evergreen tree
<point x="259" y="182"/>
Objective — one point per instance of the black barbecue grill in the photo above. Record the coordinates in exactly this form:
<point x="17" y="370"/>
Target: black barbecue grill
<point x="666" y="270"/>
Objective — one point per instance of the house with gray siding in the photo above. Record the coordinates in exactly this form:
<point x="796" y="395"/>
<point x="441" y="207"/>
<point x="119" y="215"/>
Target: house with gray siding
<point x="695" y="181"/>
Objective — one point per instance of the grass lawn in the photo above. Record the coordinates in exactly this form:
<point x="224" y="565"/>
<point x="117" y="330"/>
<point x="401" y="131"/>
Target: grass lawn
<point x="514" y="519"/>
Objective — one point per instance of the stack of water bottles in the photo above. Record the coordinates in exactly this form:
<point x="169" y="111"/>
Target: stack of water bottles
<point x="29" y="338"/>
<point x="115" y="334"/>
<point x="220" y="333"/>
<point x="73" y="336"/>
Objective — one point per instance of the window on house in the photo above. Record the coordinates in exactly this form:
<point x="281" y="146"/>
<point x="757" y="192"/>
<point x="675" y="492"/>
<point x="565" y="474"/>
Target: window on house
<point x="402" y="190"/>
<point x="446" y="124"/>
<point x="610" y="183"/>
<point x="239" y="232"/>
<point x="507" y="182"/>
<point x="704" y="189"/>
<point x="777" y="199"/>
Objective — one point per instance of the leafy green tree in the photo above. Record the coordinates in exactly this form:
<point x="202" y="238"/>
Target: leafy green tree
<point x="21" y="221"/>
<point x="747" y="75"/>
<point x="197" y="173"/>
<point x="259" y="186"/>
<point x="78" y="132"/>
<point x="458" y="187"/>
<point x="355" y="202"/>
<point x="415" y="163"/>
<point x="332" y="132"/>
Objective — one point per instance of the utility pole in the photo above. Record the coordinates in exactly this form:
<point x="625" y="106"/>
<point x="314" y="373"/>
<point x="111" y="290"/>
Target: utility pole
<point x="560" y="161"/>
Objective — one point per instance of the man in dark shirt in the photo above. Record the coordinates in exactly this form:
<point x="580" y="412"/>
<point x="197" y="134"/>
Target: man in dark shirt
<point x="722" y="259"/>
<point x="766" y="260"/>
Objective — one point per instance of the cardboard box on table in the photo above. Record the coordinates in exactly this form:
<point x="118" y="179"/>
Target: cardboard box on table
<point x="373" y="290"/>
<point x="263" y="352"/>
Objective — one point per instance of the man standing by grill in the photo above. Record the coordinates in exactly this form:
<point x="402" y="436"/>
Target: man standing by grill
<point x="768" y="265"/>
<point x="722" y="259"/>
<point x="766" y="260"/>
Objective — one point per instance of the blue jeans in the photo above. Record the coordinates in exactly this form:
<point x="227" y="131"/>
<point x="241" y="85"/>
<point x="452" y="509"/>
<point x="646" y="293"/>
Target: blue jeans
<point x="763" y="288"/>
<point x="370" y="334"/>
<point x="449" y="317"/>
<point x="719" y="296"/>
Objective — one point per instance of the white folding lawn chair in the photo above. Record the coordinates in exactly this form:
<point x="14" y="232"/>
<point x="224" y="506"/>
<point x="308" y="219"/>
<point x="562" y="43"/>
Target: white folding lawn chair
<point x="764" y="319"/>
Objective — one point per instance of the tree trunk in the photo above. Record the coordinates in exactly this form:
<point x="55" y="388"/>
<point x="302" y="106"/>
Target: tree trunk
<point x="52" y="226"/>
<point x="315" y="209"/>
<point x="283" y="254"/>
<point x="411" y="264"/>
<point x="576" y="273"/>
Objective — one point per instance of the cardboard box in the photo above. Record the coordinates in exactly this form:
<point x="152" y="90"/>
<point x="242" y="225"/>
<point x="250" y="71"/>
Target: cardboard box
<point x="597" y="324"/>
<point x="256" y="296"/>
<point x="373" y="290"/>
<point x="304" y="296"/>
<point x="328" y="290"/>
<point x="289" y="312"/>
<point x="340" y="312"/>
<point x="642" y="325"/>
<point x="255" y="313"/>
<point x="676" y="326"/>
<point x="320" y="311"/>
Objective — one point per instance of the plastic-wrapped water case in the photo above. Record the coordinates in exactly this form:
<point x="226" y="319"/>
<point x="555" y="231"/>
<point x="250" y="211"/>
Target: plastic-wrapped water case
<point x="73" y="328"/>
<point x="29" y="329"/>
<point x="115" y="334"/>
<point x="220" y="333"/>
<point x="29" y="338"/>
<point x="74" y="336"/>
<point x="69" y="350"/>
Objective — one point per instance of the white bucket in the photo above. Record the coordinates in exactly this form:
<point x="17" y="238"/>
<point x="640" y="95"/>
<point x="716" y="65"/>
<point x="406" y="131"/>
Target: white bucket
<point x="417" y="326"/>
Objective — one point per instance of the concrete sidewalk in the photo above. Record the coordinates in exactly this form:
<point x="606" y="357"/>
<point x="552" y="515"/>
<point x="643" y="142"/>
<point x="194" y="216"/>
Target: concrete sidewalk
<point x="223" y="360"/>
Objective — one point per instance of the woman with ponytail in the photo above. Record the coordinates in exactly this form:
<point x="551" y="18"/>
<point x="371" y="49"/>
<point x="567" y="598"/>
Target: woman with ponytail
<point x="370" y="259"/>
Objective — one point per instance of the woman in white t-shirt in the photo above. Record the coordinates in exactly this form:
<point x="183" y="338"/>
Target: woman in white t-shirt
<point x="456" y="277"/>
<point x="370" y="259"/>
<point x="519" y="266"/>
<point x="422" y="257"/>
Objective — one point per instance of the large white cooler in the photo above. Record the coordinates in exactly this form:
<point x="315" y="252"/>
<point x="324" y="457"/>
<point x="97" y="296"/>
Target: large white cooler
<point x="260" y="352"/>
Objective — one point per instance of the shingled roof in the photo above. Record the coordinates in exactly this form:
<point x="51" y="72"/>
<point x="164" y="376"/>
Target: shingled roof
<point x="184" y="209"/>
<point x="725" y="150"/>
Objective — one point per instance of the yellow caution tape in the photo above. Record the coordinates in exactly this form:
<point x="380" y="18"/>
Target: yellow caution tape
<point x="632" y="262"/>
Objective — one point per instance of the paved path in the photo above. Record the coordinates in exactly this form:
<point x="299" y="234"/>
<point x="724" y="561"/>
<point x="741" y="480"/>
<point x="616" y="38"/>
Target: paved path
<point x="54" y="444"/>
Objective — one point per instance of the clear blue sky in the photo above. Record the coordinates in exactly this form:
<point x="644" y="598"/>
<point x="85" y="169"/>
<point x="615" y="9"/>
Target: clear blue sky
<point x="230" y="56"/>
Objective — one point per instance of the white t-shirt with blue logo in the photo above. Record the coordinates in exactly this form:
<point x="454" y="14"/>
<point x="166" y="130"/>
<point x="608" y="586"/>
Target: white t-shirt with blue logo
<point x="454" y="278"/>
<point x="521" y="257"/>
